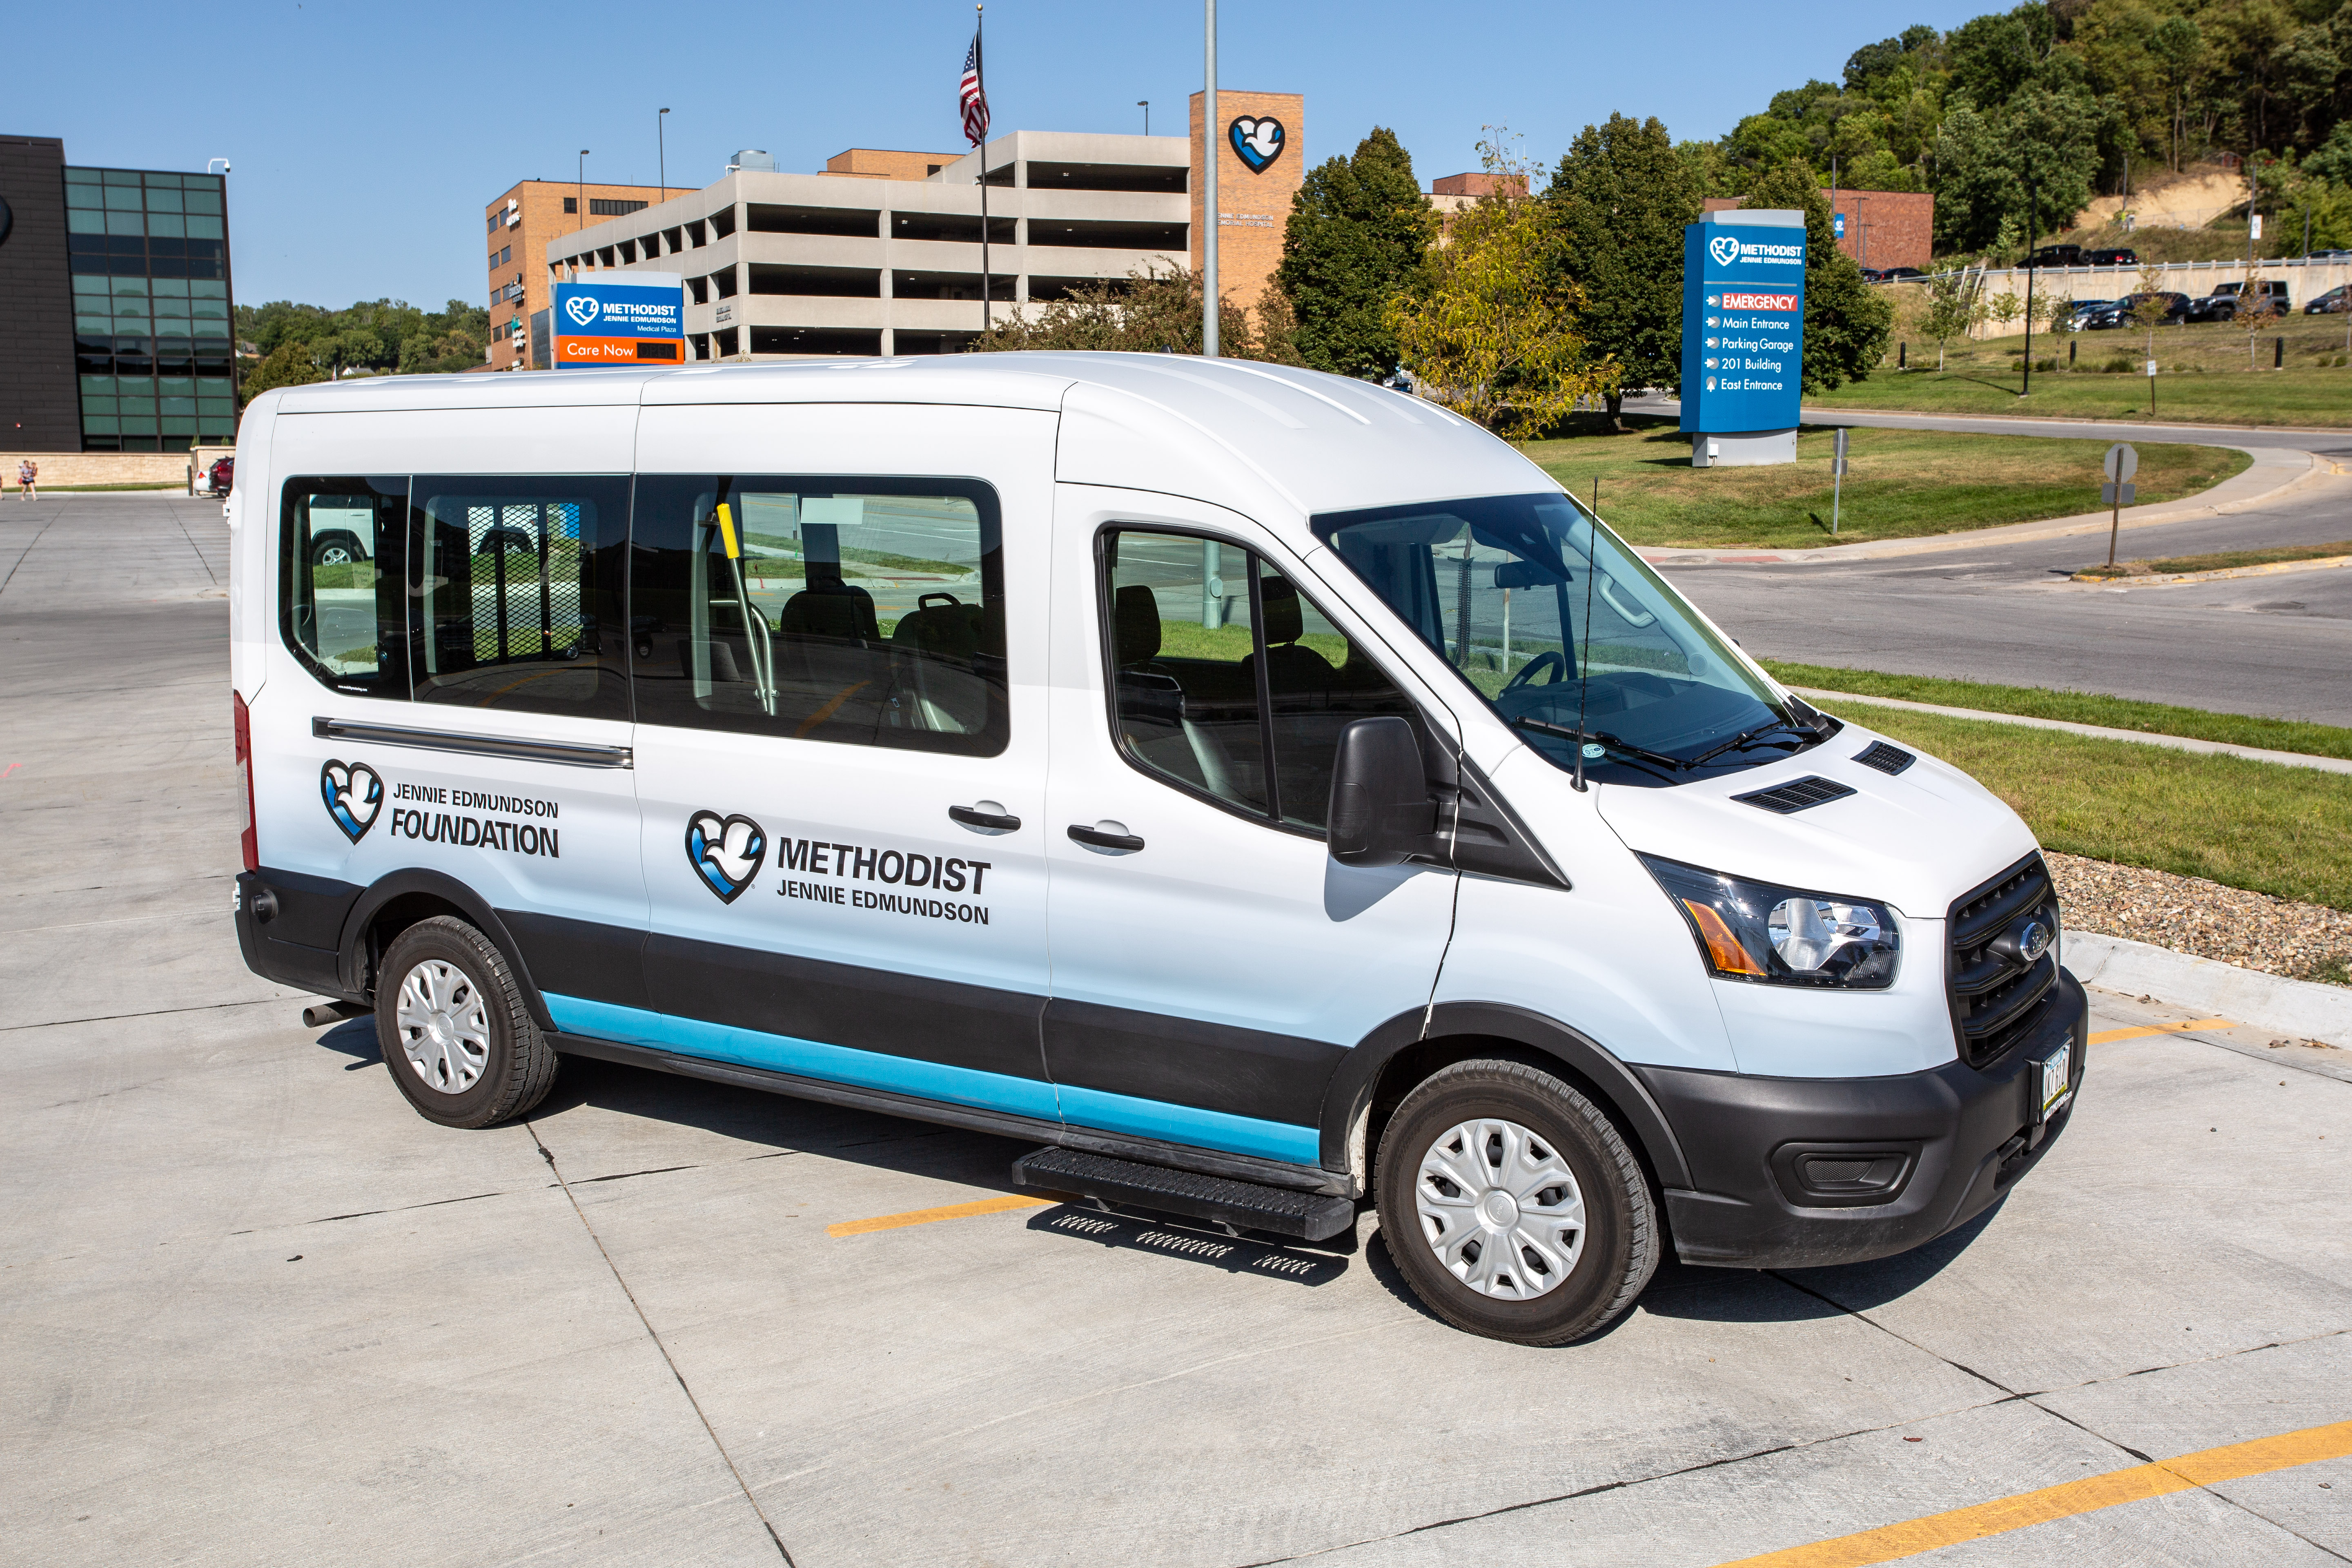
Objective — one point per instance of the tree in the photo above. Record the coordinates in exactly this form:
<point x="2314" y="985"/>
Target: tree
<point x="2007" y="308"/>
<point x="1948" y="313"/>
<point x="1150" y="312"/>
<point x="2040" y="150"/>
<point x="1618" y="203"/>
<point x="290" y="364"/>
<point x="1358" y="231"/>
<point x="1494" y="332"/>
<point x="1847" y="322"/>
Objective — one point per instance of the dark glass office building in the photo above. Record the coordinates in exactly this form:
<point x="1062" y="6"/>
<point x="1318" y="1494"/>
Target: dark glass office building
<point x="154" y="332"/>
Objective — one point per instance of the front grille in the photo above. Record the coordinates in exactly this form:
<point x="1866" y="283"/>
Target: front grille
<point x="1795" y="795"/>
<point x="1997" y="999"/>
<point x="1886" y="759"/>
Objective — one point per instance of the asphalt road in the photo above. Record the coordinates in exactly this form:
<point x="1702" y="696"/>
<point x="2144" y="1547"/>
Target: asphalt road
<point x="259" y="1312"/>
<point x="2280" y="645"/>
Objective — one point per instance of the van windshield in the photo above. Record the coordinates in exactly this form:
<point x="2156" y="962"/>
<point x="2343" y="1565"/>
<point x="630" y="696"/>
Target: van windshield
<point x="1567" y="635"/>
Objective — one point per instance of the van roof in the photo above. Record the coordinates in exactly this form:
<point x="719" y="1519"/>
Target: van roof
<point x="1161" y="422"/>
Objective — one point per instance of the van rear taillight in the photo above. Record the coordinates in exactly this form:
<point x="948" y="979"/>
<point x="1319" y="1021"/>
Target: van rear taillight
<point x="250" y="840"/>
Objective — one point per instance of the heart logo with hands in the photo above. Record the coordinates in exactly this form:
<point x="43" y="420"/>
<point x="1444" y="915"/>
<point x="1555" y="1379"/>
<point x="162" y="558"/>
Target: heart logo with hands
<point x="353" y="793"/>
<point x="1724" y="249"/>
<point x="1258" y="141"/>
<point x="726" y="852"/>
<point x="581" y="308"/>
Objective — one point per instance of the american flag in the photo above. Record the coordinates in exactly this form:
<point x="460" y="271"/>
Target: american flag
<point x="975" y="101"/>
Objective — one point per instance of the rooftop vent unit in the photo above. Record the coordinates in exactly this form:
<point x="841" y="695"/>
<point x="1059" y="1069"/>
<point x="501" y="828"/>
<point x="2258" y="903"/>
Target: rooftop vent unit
<point x="752" y="158"/>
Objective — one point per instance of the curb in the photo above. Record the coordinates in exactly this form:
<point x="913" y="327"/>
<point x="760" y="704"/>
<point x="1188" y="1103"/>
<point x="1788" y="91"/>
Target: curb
<point x="2304" y="1009"/>
<point x="2237" y="493"/>
<point x="2096" y="731"/>
<point x="2267" y="569"/>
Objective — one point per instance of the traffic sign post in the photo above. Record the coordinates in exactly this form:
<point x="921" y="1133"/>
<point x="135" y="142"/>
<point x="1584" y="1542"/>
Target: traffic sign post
<point x="2122" y="462"/>
<point x="1837" y="480"/>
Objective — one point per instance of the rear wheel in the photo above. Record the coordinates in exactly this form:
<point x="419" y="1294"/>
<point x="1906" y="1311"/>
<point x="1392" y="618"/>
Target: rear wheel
<point x="454" y="1030"/>
<point x="1513" y="1207"/>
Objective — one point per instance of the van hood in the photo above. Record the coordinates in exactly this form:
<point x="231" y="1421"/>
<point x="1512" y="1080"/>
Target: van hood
<point x="1916" y="839"/>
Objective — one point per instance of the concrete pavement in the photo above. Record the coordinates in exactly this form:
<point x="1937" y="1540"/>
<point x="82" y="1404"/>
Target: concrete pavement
<point x="259" y="1312"/>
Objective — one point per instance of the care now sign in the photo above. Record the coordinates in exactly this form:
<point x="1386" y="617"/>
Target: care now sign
<point x="1743" y="321"/>
<point x="629" y="318"/>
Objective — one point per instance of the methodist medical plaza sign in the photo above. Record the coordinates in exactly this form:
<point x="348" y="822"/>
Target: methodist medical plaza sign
<point x="630" y="318"/>
<point x="1743" y="321"/>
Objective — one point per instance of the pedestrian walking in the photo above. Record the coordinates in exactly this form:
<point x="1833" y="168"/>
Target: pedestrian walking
<point x="28" y="471"/>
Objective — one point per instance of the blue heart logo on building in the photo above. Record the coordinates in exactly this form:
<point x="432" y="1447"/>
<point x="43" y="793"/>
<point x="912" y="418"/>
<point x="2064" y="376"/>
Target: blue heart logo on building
<point x="1724" y="249"/>
<point x="725" y="852"/>
<point x="1257" y="142"/>
<point x="581" y="308"/>
<point x="354" y="794"/>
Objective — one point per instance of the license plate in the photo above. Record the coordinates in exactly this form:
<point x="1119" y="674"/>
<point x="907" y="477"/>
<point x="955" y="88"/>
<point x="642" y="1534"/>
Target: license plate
<point x="2057" y="1081"/>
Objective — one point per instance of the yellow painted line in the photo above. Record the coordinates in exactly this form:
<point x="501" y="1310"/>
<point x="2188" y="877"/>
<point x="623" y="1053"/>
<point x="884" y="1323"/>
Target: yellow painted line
<point x="2205" y="1468"/>
<point x="2108" y="1037"/>
<point x="931" y="1216"/>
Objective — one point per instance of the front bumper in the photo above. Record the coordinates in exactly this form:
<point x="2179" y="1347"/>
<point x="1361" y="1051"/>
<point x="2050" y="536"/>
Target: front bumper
<point x="1960" y="1136"/>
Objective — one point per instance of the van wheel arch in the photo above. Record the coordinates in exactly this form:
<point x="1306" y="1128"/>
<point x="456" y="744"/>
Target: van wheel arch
<point x="400" y="900"/>
<point x="1399" y="1056"/>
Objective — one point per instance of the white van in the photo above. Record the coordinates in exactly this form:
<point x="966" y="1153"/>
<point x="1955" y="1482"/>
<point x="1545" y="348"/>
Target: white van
<point x="1264" y="792"/>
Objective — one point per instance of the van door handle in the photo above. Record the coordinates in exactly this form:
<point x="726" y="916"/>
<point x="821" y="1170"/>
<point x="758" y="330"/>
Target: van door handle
<point x="1097" y="838"/>
<point x="979" y="817"/>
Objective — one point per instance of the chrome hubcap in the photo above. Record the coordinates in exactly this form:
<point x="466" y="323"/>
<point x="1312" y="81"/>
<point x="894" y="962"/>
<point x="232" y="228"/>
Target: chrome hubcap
<point x="1500" y="1209"/>
<point x="444" y="1027"/>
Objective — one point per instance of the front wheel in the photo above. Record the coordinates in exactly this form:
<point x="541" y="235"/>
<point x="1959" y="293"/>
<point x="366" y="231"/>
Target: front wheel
<point x="1513" y="1207"/>
<point x="454" y="1030"/>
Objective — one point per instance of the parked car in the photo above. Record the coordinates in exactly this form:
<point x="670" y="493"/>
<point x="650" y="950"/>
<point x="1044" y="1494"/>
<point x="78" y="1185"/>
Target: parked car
<point x="2119" y="314"/>
<point x="2227" y="298"/>
<point x="2331" y="303"/>
<point x="222" y="476"/>
<point x="2329" y="255"/>
<point x="2056" y="255"/>
<point x="2084" y="310"/>
<point x="1897" y="274"/>
<point x="2111" y="257"/>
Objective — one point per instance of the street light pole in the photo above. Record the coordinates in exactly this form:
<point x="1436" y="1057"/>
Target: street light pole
<point x="661" y="152"/>
<point x="580" y="191"/>
<point x="1145" y="104"/>
<point x="1208" y="138"/>
<point x="2032" y="227"/>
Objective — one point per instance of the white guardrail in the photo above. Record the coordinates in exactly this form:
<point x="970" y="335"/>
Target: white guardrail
<point x="2306" y="280"/>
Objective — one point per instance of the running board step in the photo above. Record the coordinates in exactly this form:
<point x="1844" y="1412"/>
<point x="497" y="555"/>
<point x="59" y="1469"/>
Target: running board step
<point x="1237" y="1206"/>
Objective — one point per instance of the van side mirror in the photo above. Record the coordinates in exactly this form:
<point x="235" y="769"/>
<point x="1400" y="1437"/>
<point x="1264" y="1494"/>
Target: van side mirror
<point x="1381" y="812"/>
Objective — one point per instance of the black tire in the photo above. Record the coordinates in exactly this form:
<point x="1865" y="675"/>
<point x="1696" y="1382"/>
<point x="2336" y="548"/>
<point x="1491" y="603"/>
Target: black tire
<point x="517" y="1067"/>
<point x="1619" y="1242"/>
<point x="336" y="549"/>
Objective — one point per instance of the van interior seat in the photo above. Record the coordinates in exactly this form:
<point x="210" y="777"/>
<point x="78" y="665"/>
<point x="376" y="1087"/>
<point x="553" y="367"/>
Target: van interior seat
<point x="1291" y="671"/>
<point x="1135" y="624"/>
<point x="841" y="611"/>
<point x="947" y="629"/>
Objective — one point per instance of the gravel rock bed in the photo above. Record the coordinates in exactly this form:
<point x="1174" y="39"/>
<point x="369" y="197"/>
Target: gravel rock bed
<point x="2204" y="920"/>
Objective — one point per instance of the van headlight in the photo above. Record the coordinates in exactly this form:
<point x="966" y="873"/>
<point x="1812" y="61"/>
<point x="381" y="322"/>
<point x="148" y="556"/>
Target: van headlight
<point x="1782" y="936"/>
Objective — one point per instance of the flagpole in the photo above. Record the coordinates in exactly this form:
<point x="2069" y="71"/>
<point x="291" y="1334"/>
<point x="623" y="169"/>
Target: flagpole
<point x="1208" y="192"/>
<point x="981" y="61"/>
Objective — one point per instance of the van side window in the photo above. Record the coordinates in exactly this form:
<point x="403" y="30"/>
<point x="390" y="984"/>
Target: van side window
<point x="522" y="593"/>
<point x="1218" y="663"/>
<point x="343" y="601"/>
<point x="856" y="610"/>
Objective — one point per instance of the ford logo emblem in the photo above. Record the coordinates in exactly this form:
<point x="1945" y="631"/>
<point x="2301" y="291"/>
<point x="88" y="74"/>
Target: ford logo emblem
<point x="2033" y="940"/>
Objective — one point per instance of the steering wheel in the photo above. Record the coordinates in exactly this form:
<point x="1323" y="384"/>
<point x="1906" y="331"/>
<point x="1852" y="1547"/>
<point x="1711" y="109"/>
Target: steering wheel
<point x="1550" y="657"/>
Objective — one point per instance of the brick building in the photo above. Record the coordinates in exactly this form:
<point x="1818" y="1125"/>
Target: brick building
<point x="522" y="222"/>
<point x="1253" y="204"/>
<point x="1882" y="228"/>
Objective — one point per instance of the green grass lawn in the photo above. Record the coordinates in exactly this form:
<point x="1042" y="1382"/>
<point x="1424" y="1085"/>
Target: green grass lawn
<point x="2075" y="707"/>
<point x="2219" y="560"/>
<point x="2272" y="828"/>
<point x="1900" y="484"/>
<point x="2209" y="375"/>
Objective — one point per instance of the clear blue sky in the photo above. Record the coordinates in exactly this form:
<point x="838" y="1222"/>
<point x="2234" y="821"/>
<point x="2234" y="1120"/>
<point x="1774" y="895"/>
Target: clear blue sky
<point x="367" y="138"/>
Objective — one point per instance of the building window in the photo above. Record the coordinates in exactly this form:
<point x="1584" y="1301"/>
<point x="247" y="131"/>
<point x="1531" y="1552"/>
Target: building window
<point x="608" y="206"/>
<point x="572" y="204"/>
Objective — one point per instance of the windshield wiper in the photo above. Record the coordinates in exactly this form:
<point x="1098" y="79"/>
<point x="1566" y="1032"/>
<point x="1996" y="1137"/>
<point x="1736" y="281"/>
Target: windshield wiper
<point x="1569" y="733"/>
<point x="1742" y="739"/>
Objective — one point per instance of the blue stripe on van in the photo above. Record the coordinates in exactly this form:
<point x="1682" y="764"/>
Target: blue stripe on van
<point x="934" y="1080"/>
<point x="1184" y="1124"/>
